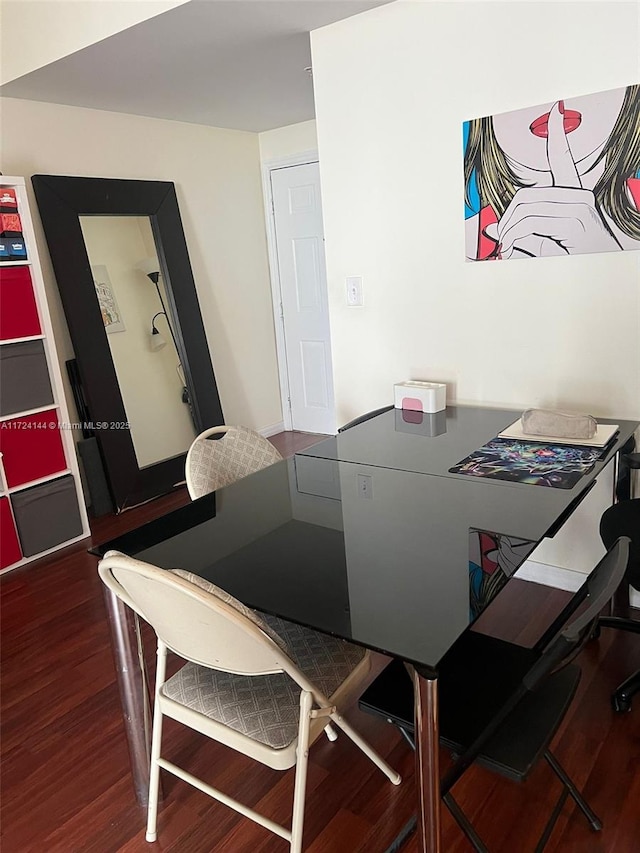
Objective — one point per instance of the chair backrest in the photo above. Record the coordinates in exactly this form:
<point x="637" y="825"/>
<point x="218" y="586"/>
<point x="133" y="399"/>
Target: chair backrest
<point x="628" y="462"/>
<point x="557" y="646"/>
<point x="623" y="519"/>
<point x="213" y="463"/>
<point x="201" y="625"/>
<point x="561" y="641"/>
<point x="366" y="417"/>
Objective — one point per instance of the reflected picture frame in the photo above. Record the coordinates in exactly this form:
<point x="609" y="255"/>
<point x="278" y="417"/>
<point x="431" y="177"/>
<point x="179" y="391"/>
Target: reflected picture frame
<point x="109" y="308"/>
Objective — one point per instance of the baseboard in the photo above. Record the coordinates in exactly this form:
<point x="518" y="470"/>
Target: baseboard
<point x="554" y="576"/>
<point x="274" y="429"/>
<point x="561" y="578"/>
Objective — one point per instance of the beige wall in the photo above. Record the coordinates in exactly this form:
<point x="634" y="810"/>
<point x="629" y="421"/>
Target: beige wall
<point x="160" y="423"/>
<point x="218" y="183"/>
<point x="289" y="140"/>
<point x="392" y="87"/>
<point x="34" y="33"/>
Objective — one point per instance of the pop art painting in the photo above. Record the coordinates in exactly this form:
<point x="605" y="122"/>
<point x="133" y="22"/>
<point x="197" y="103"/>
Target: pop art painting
<point x="493" y="559"/>
<point x="561" y="178"/>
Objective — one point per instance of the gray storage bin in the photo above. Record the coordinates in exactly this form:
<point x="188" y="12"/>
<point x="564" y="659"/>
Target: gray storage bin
<point x="47" y="515"/>
<point x="24" y="377"/>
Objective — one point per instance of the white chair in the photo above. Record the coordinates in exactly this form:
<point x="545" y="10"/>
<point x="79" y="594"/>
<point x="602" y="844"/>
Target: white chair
<point x="214" y="463"/>
<point x="260" y="685"/>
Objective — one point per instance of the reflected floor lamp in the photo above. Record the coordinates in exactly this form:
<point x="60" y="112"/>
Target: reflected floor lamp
<point x="150" y="267"/>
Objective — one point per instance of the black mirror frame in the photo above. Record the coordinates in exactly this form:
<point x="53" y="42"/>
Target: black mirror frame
<point x="61" y="201"/>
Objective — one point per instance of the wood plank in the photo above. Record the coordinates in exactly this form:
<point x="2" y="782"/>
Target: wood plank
<point x="64" y="773"/>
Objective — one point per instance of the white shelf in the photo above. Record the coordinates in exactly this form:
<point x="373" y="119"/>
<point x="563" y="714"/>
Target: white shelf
<point x="25" y="560"/>
<point x="55" y="375"/>
<point x="21" y="340"/>
<point x="5" y="490"/>
<point x="49" y="477"/>
<point x="16" y="415"/>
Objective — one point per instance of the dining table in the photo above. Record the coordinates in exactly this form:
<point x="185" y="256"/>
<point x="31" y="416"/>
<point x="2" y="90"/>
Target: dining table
<point x="367" y="536"/>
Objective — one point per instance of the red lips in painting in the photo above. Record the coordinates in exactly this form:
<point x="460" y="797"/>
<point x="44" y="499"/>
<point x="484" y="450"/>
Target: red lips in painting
<point x="571" y="120"/>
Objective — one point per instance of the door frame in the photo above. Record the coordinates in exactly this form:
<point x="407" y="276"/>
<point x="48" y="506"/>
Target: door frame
<point x="300" y="159"/>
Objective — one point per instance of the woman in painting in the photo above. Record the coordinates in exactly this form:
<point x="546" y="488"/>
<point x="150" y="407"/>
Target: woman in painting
<point x="561" y="182"/>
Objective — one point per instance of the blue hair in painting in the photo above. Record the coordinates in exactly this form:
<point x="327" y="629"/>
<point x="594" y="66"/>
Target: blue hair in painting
<point x="472" y="194"/>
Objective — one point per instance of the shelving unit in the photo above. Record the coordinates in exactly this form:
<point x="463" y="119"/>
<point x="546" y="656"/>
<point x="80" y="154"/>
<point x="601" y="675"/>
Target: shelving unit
<point x="42" y="506"/>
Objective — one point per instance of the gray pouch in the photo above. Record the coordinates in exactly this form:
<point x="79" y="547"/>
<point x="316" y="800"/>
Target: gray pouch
<point x="558" y="424"/>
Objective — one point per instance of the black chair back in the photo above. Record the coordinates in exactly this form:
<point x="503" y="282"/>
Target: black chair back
<point x="500" y="703"/>
<point x="367" y="416"/>
<point x="559" y="644"/>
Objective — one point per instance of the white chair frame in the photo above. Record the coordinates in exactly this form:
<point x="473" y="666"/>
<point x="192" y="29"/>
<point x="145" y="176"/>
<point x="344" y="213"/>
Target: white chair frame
<point x="215" y="634"/>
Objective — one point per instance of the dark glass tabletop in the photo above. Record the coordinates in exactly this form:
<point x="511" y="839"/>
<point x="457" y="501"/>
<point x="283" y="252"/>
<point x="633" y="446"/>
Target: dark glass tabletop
<point x="430" y="443"/>
<point x="386" y="558"/>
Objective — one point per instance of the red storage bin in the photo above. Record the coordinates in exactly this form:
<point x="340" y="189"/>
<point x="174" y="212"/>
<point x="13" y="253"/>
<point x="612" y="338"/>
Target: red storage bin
<point x="10" y="552"/>
<point x="32" y="447"/>
<point x="18" y="308"/>
<point x="10" y="224"/>
<point x="8" y="200"/>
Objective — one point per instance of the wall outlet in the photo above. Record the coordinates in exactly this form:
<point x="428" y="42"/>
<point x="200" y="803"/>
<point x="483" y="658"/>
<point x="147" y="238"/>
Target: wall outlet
<point x="365" y="486"/>
<point x="354" y="290"/>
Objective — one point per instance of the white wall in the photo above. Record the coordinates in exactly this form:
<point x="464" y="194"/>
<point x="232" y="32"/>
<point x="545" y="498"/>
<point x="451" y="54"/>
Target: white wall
<point x="37" y="32"/>
<point x="392" y="88"/>
<point x="218" y="183"/>
<point x="285" y="141"/>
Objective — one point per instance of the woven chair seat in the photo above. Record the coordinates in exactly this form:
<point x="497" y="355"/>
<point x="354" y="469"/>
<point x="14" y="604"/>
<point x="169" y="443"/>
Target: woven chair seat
<point x="266" y="708"/>
<point x="214" y="464"/>
<point x="250" y="682"/>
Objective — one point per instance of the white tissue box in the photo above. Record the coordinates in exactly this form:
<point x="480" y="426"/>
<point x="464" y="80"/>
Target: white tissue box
<point x="419" y="396"/>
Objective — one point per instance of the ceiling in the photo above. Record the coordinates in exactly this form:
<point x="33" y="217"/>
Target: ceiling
<point x="225" y="63"/>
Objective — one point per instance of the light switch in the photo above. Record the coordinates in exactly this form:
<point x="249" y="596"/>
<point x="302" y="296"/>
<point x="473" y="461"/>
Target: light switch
<point x="354" y="290"/>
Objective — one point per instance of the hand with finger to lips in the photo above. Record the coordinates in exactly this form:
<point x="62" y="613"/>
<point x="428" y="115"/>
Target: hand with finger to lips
<point x="562" y="219"/>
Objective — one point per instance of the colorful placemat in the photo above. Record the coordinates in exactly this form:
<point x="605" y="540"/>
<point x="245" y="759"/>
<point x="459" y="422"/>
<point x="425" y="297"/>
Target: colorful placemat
<point x="555" y="466"/>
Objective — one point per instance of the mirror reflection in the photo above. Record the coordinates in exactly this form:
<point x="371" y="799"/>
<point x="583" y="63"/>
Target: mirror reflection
<point x="132" y="297"/>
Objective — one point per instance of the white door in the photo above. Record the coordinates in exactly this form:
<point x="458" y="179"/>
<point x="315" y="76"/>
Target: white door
<point x="297" y="211"/>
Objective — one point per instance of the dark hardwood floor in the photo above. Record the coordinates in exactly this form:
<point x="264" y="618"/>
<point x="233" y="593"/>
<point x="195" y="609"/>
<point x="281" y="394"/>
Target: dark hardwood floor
<point x="66" y="786"/>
